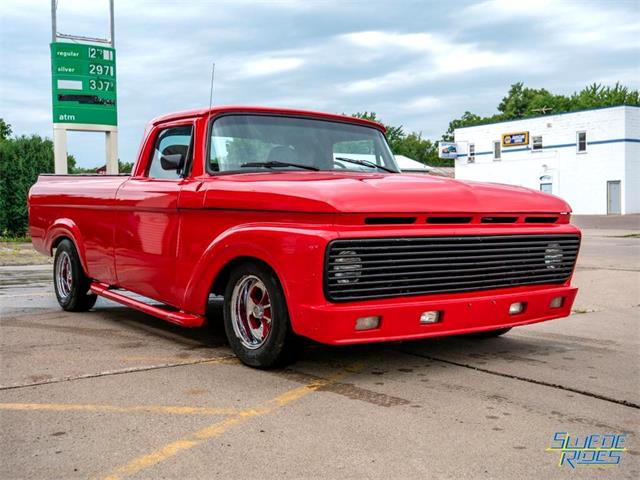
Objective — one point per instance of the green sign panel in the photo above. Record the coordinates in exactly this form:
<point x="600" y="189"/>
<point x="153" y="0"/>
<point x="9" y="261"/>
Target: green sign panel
<point x="83" y="84"/>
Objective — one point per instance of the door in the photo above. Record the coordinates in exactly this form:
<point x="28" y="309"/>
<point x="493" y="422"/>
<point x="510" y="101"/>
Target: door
<point x="146" y="233"/>
<point x="614" y="199"/>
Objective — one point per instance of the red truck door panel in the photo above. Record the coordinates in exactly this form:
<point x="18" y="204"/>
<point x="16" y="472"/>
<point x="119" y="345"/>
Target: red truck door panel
<point x="95" y="223"/>
<point x="146" y="231"/>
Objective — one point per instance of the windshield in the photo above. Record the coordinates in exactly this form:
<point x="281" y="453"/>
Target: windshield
<point x="261" y="142"/>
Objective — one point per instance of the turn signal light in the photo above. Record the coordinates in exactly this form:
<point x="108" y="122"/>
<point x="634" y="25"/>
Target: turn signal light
<point x="368" y="323"/>
<point x="430" y="317"/>
<point x="516" y="308"/>
<point x="557" y="302"/>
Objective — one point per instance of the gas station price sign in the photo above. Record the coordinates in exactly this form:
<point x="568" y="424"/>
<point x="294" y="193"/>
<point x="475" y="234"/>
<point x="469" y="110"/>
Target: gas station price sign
<point x="83" y="84"/>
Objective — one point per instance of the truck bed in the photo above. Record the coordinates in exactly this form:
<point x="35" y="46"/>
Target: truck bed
<point x="87" y="199"/>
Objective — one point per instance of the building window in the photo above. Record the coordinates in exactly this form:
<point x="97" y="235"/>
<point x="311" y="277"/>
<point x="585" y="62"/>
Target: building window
<point x="472" y="153"/>
<point x="537" y="143"/>
<point x="546" y="187"/>
<point x="497" y="150"/>
<point x="581" y="142"/>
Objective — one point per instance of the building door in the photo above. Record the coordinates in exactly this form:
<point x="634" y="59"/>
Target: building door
<point x="613" y="198"/>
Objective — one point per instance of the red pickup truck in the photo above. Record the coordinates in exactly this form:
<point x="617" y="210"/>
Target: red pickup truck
<point x="303" y="223"/>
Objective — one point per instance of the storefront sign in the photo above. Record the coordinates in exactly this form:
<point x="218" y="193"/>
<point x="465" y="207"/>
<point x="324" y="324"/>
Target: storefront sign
<point x="515" y="139"/>
<point x="447" y="150"/>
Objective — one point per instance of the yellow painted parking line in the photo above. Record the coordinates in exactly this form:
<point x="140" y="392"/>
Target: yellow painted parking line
<point x="70" y="407"/>
<point x="199" y="437"/>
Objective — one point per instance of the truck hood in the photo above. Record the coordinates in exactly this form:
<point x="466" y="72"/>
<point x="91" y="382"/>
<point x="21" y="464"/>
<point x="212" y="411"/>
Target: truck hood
<point x="337" y="192"/>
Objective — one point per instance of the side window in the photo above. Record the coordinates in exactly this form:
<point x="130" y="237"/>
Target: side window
<point x="171" y="141"/>
<point x="472" y="153"/>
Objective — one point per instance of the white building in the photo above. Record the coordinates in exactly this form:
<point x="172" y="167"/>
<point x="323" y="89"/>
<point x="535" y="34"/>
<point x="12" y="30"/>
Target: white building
<point x="591" y="158"/>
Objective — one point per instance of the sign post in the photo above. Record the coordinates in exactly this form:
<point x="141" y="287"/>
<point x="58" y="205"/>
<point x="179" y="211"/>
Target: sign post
<point x="83" y="86"/>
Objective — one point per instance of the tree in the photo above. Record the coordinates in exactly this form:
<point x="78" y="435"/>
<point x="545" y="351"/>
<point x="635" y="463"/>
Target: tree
<point x="5" y="130"/>
<point x="595" y="95"/>
<point x="22" y="159"/>
<point x="522" y="102"/>
<point x="416" y="148"/>
<point x="71" y="164"/>
<point x="125" y="167"/>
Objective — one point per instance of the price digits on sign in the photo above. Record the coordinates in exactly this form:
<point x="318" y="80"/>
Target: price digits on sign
<point x="99" y="53"/>
<point x="97" y="69"/>
<point x="101" y="85"/>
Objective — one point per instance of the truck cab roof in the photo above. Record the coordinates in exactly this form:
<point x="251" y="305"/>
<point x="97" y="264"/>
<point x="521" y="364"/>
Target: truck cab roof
<point x="222" y="109"/>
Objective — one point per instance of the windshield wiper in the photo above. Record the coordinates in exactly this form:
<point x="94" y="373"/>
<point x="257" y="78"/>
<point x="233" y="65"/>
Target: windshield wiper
<point x="366" y="163"/>
<point x="277" y="164"/>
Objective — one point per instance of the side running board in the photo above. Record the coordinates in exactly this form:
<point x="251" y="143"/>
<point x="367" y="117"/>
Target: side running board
<point x="183" y="319"/>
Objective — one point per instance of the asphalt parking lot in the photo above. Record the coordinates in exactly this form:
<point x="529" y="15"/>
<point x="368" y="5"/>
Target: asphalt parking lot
<point x="114" y="393"/>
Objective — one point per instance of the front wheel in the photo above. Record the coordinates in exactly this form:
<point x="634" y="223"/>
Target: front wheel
<point x="70" y="282"/>
<point x="256" y="319"/>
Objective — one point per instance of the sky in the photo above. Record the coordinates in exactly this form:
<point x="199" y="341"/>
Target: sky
<point x="418" y="64"/>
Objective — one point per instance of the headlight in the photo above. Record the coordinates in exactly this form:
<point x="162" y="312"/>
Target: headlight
<point x="348" y="267"/>
<point x="553" y="255"/>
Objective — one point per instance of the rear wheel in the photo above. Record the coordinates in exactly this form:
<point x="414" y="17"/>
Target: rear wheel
<point x="256" y="319"/>
<point x="70" y="282"/>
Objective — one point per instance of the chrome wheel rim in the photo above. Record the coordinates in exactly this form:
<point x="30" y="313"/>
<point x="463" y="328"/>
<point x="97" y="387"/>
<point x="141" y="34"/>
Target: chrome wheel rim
<point x="64" y="275"/>
<point x="251" y="312"/>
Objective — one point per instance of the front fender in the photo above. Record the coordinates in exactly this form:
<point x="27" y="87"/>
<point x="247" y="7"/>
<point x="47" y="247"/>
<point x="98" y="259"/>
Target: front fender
<point x="295" y="254"/>
<point x="65" y="227"/>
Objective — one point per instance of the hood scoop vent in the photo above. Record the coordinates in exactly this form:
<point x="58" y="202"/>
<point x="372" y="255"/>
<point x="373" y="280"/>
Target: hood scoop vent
<point x="448" y="220"/>
<point x="389" y="220"/>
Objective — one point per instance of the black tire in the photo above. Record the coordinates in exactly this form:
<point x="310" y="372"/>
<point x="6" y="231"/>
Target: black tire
<point x="490" y="333"/>
<point x="72" y="296"/>
<point x="280" y="345"/>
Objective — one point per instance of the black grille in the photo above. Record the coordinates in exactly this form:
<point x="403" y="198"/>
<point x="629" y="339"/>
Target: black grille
<point x="360" y="269"/>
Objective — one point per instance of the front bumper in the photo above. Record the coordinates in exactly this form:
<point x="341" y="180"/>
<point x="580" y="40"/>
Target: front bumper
<point x="335" y="323"/>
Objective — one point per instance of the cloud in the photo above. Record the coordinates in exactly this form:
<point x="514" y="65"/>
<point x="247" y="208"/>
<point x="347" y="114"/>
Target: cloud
<point x="432" y="57"/>
<point x="612" y="25"/>
<point x="386" y="40"/>
<point x="258" y="67"/>
<point x="424" y="103"/>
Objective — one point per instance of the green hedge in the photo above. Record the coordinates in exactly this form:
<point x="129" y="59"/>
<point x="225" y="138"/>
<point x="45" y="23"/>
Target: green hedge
<point x="22" y="159"/>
